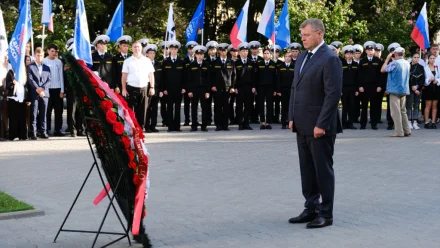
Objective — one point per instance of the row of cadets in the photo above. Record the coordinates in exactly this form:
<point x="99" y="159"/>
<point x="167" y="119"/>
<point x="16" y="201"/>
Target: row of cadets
<point x="222" y="79"/>
<point x="173" y="80"/>
<point x="197" y="87"/>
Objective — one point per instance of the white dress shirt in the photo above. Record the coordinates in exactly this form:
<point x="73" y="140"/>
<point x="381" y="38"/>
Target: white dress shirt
<point x="138" y="71"/>
<point x="313" y="52"/>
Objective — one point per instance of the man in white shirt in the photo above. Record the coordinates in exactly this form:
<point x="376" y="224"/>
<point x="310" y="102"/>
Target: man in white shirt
<point x="137" y="75"/>
<point x="56" y="89"/>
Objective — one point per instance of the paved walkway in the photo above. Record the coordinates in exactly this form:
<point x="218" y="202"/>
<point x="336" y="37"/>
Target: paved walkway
<point x="236" y="189"/>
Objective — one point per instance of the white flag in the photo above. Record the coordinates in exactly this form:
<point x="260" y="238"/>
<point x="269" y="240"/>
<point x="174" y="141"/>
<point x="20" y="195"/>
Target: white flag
<point x="171" y="33"/>
<point x="3" y="36"/>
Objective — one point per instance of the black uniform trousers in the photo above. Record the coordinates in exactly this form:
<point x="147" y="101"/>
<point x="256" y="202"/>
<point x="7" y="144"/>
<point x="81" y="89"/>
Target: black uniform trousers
<point x="55" y="103"/>
<point x="209" y="103"/>
<point x="74" y="117"/>
<point x="370" y="95"/>
<point x="232" y="113"/>
<point x="152" y="111"/>
<point x="138" y="101"/>
<point x="174" y="100"/>
<point x="285" y="98"/>
<point x="265" y="95"/>
<point x="357" y="108"/>
<point x="348" y="99"/>
<point x="277" y="105"/>
<point x="245" y="99"/>
<point x="222" y="108"/>
<point x="163" y="109"/>
<point x="317" y="175"/>
<point x="255" y="108"/>
<point x="199" y="96"/>
<point x="390" y="121"/>
<point x="186" y="107"/>
<point x="17" y="120"/>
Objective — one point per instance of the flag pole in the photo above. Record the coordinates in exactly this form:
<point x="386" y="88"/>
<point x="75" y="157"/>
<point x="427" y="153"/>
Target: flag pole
<point x="32" y="43"/>
<point x="42" y="37"/>
<point x="202" y="36"/>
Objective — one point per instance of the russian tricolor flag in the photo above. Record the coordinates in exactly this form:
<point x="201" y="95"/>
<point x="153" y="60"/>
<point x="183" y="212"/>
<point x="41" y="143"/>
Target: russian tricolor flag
<point x="267" y="21"/>
<point x="420" y="33"/>
<point x="239" y="30"/>
<point x="47" y="16"/>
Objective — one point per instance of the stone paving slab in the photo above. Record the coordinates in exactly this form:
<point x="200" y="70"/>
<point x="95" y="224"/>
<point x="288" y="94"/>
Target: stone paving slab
<point x="235" y="189"/>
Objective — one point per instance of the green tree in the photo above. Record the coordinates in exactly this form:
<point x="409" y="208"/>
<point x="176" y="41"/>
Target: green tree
<point x="338" y="18"/>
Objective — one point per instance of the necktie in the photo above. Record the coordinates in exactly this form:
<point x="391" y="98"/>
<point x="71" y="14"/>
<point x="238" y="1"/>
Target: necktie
<point x="267" y="63"/>
<point x="309" y="55"/>
<point x="244" y="62"/>
<point x="223" y="61"/>
<point x="102" y="56"/>
<point x="287" y="65"/>
<point x="174" y="60"/>
<point x="191" y="60"/>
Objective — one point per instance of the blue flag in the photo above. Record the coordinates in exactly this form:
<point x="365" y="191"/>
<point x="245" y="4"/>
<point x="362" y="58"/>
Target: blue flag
<point x="17" y="45"/>
<point x="282" y="28"/>
<point x="116" y="27"/>
<point x="81" y="44"/>
<point x="20" y="4"/>
<point x="196" y="22"/>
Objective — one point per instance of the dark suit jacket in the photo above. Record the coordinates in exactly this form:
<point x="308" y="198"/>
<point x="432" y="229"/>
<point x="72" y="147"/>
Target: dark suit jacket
<point x="36" y="81"/>
<point x="316" y="92"/>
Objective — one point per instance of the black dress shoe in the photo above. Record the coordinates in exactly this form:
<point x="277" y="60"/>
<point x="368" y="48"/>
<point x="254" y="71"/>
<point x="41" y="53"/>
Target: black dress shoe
<point x="248" y="127"/>
<point x="262" y="127"/>
<point x="170" y="130"/>
<point x="81" y="133"/>
<point x="351" y="127"/>
<point x="154" y="130"/>
<point x="374" y="127"/>
<point x="284" y="127"/>
<point x="147" y="130"/>
<point x="73" y="134"/>
<point x="178" y="130"/>
<point x="433" y="126"/>
<point x="164" y="125"/>
<point x="303" y="218"/>
<point x="186" y="124"/>
<point x="33" y="137"/>
<point x="193" y="129"/>
<point x="59" y="134"/>
<point x="218" y="129"/>
<point x="363" y="127"/>
<point x="269" y="127"/>
<point x="240" y="127"/>
<point x="390" y="127"/>
<point x="204" y="129"/>
<point x="226" y="129"/>
<point x="320" y="222"/>
<point x="44" y="136"/>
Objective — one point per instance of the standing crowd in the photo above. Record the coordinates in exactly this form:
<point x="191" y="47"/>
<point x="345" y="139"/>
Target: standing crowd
<point x="243" y="87"/>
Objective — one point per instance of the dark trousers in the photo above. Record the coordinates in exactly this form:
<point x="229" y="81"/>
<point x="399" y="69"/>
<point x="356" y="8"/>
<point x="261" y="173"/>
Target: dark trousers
<point x="222" y="108"/>
<point x="186" y="107"/>
<point x="232" y="101"/>
<point x="209" y="110"/>
<point x="277" y="105"/>
<point x="245" y="99"/>
<point x="348" y="99"/>
<point x="163" y="109"/>
<point x="285" y="98"/>
<point x="74" y="117"/>
<point x="357" y="108"/>
<point x="317" y="176"/>
<point x="199" y="96"/>
<point x="39" y="110"/>
<point x="390" y="121"/>
<point x="152" y="112"/>
<point x="255" y="108"/>
<point x="265" y="95"/>
<point x="17" y="120"/>
<point x="370" y="95"/>
<point x="138" y="101"/>
<point x="55" y="103"/>
<point x="174" y="99"/>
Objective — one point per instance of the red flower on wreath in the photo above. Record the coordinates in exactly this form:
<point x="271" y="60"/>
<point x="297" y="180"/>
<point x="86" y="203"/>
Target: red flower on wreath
<point x="111" y="116"/>
<point x="94" y="82"/>
<point x="132" y="165"/>
<point x="86" y="99"/>
<point x="130" y="155"/>
<point x="135" y="179"/>
<point x="118" y="128"/>
<point x="126" y="142"/>
<point x="106" y="105"/>
<point x="100" y="93"/>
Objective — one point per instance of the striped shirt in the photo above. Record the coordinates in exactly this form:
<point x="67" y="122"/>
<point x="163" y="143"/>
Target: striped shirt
<point x="56" y="73"/>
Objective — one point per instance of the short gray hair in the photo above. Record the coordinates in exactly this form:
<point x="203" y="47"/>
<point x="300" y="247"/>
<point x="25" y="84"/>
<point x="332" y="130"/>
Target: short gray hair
<point x="315" y="23"/>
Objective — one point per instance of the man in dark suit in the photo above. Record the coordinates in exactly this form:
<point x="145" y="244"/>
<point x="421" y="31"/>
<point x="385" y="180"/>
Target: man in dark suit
<point x="314" y="115"/>
<point x="38" y="81"/>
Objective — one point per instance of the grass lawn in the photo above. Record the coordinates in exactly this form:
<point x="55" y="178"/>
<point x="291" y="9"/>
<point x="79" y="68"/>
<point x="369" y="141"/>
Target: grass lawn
<point x="10" y="204"/>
